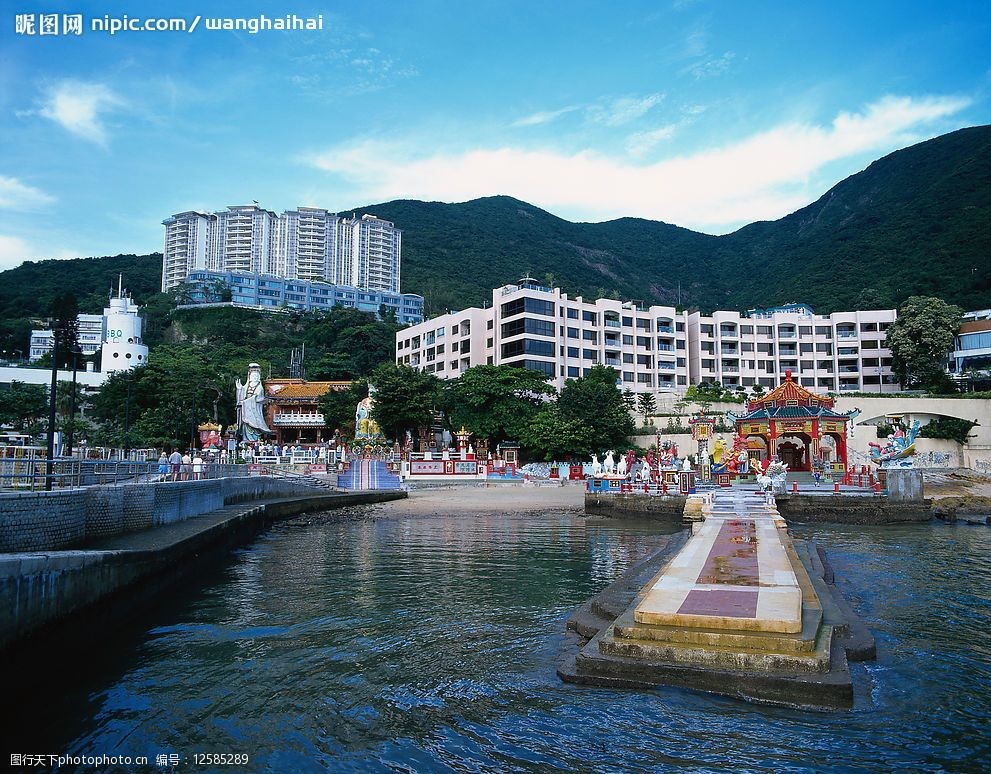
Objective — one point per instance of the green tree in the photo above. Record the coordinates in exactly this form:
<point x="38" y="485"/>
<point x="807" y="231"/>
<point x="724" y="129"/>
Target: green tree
<point x="596" y="403"/>
<point x="551" y="436"/>
<point x="338" y="407"/>
<point x="630" y="399"/>
<point x="177" y="389"/>
<point x="65" y="325"/>
<point x="24" y="407"/>
<point x="496" y="402"/>
<point x="920" y="339"/>
<point x="646" y="405"/>
<point x="404" y="398"/>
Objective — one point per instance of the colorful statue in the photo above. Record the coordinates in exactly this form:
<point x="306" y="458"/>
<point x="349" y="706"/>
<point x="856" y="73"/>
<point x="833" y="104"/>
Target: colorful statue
<point x="366" y="428"/>
<point x="631" y="460"/>
<point x="898" y="448"/>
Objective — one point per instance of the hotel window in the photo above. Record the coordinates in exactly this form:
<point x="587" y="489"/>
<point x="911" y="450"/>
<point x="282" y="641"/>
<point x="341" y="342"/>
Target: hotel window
<point x="680" y="327"/>
<point x="627" y="322"/>
<point x="824" y="330"/>
<point x="573" y="333"/>
<point x="746" y="330"/>
<point x="589" y="317"/>
<point x="804" y="330"/>
<point x="627" y="357"/>
<point x="572" y="314"/>
<point x="763" y="330"/>
<point x="589" y="354"/>
<point x="572" y="351"/>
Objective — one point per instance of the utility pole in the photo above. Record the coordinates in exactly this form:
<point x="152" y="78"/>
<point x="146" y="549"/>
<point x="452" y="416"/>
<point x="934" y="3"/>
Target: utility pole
<point x="50" y="458"/>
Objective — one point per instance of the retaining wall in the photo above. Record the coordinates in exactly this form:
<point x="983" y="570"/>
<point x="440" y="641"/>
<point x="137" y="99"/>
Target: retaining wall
<point x="635" y="505"/>
<point x="86" y="588"/>
<point x="852" y="510"/>
<point x="50" y="521"/>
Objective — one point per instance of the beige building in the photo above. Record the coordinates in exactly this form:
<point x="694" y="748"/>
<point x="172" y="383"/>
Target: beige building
<point x="839" y="352"/>
<point x="655" y="349"/>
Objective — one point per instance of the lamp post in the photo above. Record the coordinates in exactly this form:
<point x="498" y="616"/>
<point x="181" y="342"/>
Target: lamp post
<point x="50" y="458"/>
<point x="127" y="419"/>
<point x="70" y="433"/>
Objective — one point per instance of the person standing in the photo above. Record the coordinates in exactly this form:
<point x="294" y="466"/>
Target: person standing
<point x="175" y="461"/>
<point x="163" y="467"/>
<point x="197" y="467"/>
<point x="187" y="466"/>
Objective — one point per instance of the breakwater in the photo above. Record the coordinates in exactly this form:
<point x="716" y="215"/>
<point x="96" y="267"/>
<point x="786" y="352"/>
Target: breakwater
<point x="51" y="521"/>
<point x="39" y="590"/>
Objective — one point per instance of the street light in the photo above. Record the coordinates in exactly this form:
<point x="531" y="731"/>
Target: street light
<point x="50" y="458"/>
<point x="127" y="419"/>
<point x="70" y="434"/>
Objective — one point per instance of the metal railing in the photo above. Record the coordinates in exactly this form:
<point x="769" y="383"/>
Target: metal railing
<point x="31" y="476"/>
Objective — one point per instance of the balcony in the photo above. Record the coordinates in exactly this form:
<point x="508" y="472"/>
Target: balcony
<point x="665" y="329"/>
<point x="845" y="387"/>
<point x="613" y="361"/>
<point x="731" y="369"/>
<point x="665" y="366"/>
<point x="846" y="334"/>
<point x="612" y="323"/>
<point x="729" y="351"/>
<point x="287" y="419"/>
<point x="665" y="348"/>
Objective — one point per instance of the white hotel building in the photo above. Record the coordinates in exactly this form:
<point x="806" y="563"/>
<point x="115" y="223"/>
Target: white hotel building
<point x="654" y="349"/>
<point x="307" y="243"/>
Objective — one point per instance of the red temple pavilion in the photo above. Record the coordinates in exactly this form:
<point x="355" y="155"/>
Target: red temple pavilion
<point x="798" y="426"/>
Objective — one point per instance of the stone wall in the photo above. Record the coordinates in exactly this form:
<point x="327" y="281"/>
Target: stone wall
<point x="48" y="521"/>
<point x="636" y="505"/>
<point x="39" y="590"/>
<point x="841" y="509"/>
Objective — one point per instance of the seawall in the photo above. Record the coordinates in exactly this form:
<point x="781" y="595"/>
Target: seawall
<point x="631" y="504"/>
<point x="39" y="591"/>
<point x="50" y="521"/>
<point x="841" y="509"/>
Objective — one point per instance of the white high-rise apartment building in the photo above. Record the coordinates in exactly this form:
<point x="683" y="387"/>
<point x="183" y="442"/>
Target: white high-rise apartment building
<point x="656" y="348"/>
<point x="843" y="351"/>
<point x="189" y="238"/>
<point x="542" y="329"/>
<point x="307" y="243"/>
<point x="374" y="246"/>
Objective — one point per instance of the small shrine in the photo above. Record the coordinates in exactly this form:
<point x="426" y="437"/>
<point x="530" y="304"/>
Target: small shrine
<point x="292" y="410"/>
<point x="799" y="427"/>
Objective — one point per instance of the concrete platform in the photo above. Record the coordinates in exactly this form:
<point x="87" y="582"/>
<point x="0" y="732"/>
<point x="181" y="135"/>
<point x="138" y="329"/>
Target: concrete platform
<point x="740" y="610"/>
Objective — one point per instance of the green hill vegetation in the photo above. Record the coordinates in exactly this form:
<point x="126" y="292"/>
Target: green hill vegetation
<point x="913" y="223"/>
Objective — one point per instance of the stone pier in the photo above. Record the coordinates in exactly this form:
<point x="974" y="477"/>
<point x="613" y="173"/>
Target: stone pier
<point x="741" y="610"/>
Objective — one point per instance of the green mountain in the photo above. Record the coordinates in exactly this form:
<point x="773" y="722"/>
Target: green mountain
<point x="917" y="221"/>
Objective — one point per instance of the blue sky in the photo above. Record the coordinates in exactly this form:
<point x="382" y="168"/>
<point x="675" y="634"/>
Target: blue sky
<point x="709" y="115"/>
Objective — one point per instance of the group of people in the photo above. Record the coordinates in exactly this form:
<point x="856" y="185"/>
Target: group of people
<point x="252" y="450"/>
<point x="181" y="467"/>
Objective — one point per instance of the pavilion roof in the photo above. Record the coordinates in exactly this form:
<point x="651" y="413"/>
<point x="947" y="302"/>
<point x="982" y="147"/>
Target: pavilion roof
<point x="788" y="395"/>
<point x="300" y="388"/>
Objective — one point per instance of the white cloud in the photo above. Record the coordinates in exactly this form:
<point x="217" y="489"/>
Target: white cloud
<point x="624" y="109"/>
<point x="14" y="251"/>
<point x="78" y="107"/>
<point x="544" y="116"/>
<point x="641" y="143"/>
<point x="15" y="195"/>
<point x="764" y="176"/>
<point x="711" y="67"/>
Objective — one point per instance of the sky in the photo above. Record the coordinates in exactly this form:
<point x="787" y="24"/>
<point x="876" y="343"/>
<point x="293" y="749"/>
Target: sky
<point x="708" y="115"/>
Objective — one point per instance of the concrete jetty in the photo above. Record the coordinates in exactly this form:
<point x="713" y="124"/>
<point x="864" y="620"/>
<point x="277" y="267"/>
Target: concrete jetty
<point x="741" y="609"/>
<point x="107" y="576"/>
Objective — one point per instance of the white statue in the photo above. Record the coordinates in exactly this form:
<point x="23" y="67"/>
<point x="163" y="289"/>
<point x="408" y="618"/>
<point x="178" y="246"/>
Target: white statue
<point x="596" y="466"/>
<point x="621" y="467"/>
<point x="250" y="405"/>
<point x="609" y="465"/>
<point x="643" y="474"/>
<point x="687" y="464"/>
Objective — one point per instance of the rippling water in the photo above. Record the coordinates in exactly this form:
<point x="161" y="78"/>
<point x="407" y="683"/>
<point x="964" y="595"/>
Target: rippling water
<point x="428" y="644"/>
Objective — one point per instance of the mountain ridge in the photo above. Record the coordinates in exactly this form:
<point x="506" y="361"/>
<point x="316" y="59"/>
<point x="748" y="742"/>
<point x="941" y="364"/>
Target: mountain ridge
<point x="916" y="221"/>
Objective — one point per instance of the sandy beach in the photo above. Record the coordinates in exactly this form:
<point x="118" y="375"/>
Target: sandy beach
<point x="491" y="499"/>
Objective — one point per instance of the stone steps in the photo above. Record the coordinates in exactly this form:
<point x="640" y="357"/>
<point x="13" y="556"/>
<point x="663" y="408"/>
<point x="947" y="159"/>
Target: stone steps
<point x="728" y="657"/>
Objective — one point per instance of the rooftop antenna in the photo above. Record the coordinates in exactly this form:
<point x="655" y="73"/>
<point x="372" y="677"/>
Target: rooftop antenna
<point x="120" y="285"/>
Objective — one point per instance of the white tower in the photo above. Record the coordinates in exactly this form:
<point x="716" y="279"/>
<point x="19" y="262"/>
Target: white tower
<point x="122" y="347"/>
